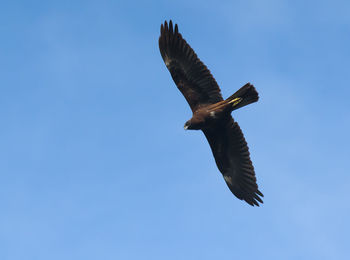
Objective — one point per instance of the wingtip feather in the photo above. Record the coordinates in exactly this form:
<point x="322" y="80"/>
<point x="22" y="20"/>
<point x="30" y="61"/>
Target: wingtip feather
<point x="171" y="27"/>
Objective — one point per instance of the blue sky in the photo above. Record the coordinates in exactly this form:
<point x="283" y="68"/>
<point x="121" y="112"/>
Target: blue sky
<point x="95" y="163"/>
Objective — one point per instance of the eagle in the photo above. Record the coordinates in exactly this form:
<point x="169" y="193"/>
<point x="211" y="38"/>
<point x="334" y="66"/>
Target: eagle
<point x="211" y="113"/>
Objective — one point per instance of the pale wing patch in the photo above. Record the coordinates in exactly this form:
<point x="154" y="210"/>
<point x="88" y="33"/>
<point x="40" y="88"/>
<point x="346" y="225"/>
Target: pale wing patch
<point x="167" y="61"/>
<point x="228" y="179"/>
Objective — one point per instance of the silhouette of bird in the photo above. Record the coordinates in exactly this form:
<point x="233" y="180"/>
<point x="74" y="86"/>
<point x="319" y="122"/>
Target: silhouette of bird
<point x="212" y="114"/>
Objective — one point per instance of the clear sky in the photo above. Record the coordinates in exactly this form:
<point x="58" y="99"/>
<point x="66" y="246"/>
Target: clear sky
<point x="94" y="161"/>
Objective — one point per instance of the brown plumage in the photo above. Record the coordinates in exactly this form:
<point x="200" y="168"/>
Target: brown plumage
<point x="212" y="114"/>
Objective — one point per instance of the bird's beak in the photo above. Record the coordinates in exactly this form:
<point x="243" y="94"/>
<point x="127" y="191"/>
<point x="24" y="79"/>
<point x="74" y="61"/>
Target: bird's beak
<point x="186" y="127"/>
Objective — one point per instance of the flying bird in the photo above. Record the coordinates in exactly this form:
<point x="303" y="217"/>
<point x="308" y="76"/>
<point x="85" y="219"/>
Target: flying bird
<point x="212" y="114"/>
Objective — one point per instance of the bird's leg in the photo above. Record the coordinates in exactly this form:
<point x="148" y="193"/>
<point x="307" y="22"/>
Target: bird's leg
<point x="218" y="105"/>
<point x="235" y="101"/>
<point x="224" y="103"/>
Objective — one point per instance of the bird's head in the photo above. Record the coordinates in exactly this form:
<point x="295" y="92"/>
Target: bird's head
<point x="187" y="125"/>
<point x="192" y="125"/>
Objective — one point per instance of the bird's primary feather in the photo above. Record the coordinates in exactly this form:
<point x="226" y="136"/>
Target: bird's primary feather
<point x="232" y="157"/>
<point x="191" y="76"/>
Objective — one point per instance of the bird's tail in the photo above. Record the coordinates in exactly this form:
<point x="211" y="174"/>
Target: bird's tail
<point x="244" y="96"/>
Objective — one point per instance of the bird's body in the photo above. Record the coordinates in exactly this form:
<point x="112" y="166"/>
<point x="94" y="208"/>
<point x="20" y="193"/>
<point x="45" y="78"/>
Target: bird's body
<point x="212" y="114"/>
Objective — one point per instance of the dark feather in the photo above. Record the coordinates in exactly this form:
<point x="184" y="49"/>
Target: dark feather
<point x="190" y="75"/>
<point x="232" y="157"/>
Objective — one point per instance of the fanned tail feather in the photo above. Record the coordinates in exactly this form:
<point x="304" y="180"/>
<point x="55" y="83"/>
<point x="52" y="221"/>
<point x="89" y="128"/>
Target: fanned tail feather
<point x="244" y="96"/>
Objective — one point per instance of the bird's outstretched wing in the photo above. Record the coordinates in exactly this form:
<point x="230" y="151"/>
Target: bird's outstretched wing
<point x="191" y="76"/>
<point x="231" y="155"/>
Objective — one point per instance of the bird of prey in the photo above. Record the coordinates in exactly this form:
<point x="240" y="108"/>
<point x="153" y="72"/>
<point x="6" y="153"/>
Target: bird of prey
<point x="211" y="113"/>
